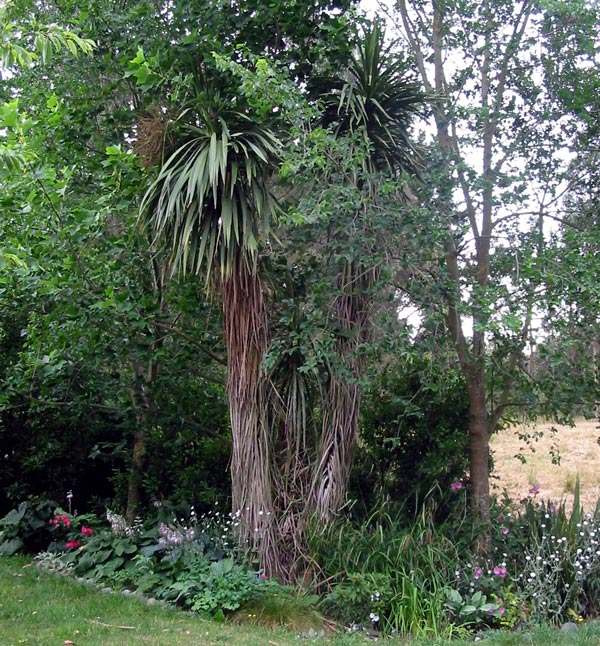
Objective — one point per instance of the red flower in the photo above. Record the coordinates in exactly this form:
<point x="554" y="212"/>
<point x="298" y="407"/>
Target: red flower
<point x="87" y="531"/>
<point x="60" y="519"/>
<point x="73" y="544"/>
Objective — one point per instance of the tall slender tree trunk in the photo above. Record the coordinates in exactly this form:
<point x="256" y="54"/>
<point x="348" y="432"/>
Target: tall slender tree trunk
<point x="479" y="452"/>
<point x="246" y="337"/>
<point x="139" y="401"/>
<point x="136" y="472"/>
<point x="144" y="377"/>
<point x="336" y="448"/>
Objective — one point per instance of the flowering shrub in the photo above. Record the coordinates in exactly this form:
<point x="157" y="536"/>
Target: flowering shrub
<point x="476" y="598"/>
<point x="559" y="569"/>
<point x="553" y="556"/>
<point x="120" y="527"/>
<point x="212" y="534"/>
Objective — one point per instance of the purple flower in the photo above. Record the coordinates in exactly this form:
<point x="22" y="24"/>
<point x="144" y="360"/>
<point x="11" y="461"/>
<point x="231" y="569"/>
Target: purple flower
<point x="505" y="531"/>
<point x="477" y="572"/>
<point x="500" y="571"/>
<point x="456" y="486"/>
<point x="535" y="489"/>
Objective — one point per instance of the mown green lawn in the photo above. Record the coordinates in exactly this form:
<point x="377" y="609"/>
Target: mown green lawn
<point x="41" y="609"/>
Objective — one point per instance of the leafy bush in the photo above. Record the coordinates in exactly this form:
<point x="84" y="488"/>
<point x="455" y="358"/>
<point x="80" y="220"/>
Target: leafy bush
<point x="471" y="609"/>
<point x="26" y="528"/>
<point x="213" y="588"/>
<point x="413" y="436"/>
<point x="360" y="599"/>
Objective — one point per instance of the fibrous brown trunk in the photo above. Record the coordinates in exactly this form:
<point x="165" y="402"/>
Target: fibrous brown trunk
<point x="340" y="423"/>
<point x="341" y="410"/>
<point x="246" y="337"/>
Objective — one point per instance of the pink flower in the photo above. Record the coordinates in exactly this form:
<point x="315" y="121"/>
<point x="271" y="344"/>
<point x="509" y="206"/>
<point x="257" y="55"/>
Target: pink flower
<point x="73" y="544"/>
<point x="87" y="531"/>
<point x="535" y="489"/>
<point x="60" y="519"/>
<point x="500" y="571"/>
<point x="456" y="486"/>
<point x="505" y="531"/>
<point x="477" y="572"/>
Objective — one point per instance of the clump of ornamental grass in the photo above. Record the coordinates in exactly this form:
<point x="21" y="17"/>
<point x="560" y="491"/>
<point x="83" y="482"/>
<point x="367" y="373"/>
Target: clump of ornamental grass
<point x="385" y="576"/>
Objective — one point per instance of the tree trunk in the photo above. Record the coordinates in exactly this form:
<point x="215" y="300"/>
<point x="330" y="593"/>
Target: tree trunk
<point x="341" y="412"/>
<point x="246" y="337"/>
<point x="479" y="454"/>
<point x="336" y="447"/>
<point x="136" y="471"/>
<point x="144" y="377"/>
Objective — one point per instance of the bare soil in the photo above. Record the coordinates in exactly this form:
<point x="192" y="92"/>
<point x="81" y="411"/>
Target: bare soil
<point x="577" y="449"/>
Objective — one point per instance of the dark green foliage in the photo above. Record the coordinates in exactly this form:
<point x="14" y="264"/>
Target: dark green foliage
<point x="413" y="435"/>
<point x="26" y="528"/>
<point x="189" y="463"/>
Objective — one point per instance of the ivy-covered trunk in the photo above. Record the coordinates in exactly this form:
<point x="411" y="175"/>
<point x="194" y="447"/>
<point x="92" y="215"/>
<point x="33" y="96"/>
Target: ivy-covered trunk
<point x="352" y="308"/>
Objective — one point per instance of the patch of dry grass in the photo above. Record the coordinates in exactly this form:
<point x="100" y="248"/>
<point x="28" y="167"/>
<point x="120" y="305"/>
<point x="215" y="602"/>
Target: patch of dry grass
<point x="577" y="448"/>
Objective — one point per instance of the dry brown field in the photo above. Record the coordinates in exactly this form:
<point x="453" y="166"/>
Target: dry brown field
<point x="579" y="453"/>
